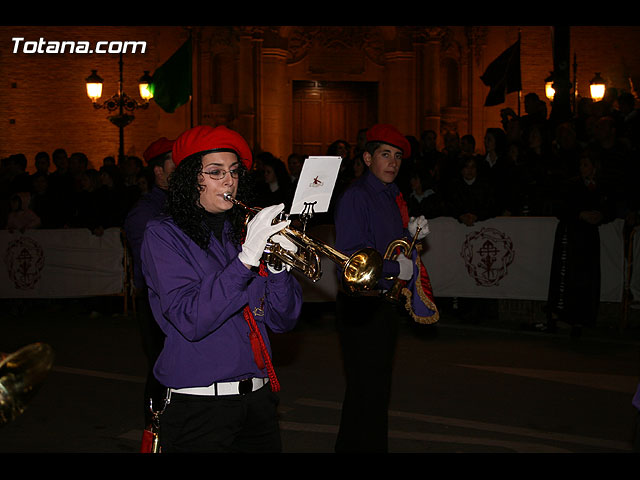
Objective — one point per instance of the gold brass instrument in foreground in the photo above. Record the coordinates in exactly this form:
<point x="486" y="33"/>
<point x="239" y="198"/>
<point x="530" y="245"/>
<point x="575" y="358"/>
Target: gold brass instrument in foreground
<point x="21" y="374"/>
<point x="360" y="271"/>
<point x="393" y="250"/>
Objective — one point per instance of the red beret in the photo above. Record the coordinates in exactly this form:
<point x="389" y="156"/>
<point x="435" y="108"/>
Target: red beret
<point x="390" y="135"/>
<point x="160" y="146"/>
<point x="204" y="138"/>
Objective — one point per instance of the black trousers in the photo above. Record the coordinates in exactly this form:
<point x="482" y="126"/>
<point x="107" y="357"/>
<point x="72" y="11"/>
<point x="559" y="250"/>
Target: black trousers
<point x="226" y="424"/>
<point x="368" y="331"/>
<point x="574" y="283"/>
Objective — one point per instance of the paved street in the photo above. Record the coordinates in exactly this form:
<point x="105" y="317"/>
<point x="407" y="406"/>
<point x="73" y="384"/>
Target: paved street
<point x="482" y="387"/>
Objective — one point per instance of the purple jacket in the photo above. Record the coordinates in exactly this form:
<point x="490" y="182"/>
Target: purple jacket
<point x="197" y="298"/>
<point x="367" y="215"/>
<point x="145" y="209"/>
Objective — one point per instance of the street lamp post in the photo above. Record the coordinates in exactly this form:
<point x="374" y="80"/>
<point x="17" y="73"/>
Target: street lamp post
<point x="120" y="102"/>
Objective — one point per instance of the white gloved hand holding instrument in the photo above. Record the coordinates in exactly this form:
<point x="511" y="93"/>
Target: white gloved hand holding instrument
<point x="259" y="230"/>
<point x="286" y="244"/>
<point x="406" y="267"/>
<point x="421" y="226"/>
<point x="419" y="222"/>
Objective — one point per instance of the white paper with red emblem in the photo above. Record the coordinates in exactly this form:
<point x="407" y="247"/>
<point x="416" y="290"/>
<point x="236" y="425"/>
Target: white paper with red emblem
<point x="315" y="185"/>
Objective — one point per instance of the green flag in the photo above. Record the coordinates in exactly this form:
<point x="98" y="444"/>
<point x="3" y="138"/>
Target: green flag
<point x="171" y="84"/>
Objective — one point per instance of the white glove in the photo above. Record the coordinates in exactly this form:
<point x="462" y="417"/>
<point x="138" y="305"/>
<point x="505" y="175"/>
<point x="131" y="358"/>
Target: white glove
<point x="421" y="222"/>
<point x="285" y="243"/>
<point x="259" y="230"/>
<point x="406" y="267"/>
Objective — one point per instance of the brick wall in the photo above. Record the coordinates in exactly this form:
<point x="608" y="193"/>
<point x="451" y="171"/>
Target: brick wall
<point x="43" y="104"/>
<point x="43" y="101"/>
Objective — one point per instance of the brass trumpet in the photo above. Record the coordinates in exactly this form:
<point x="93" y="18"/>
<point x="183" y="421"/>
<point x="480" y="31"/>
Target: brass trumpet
<point x="360" y="271"/>
<point x="21" y="375"/>
<point x="393" y="294"/>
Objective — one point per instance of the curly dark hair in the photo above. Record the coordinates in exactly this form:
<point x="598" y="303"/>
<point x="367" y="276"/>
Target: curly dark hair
<point x="183" y="202"/>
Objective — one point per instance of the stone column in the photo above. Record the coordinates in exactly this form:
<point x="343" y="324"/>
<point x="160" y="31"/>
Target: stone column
<point x="275" y="124"/>
<point x="430" y="79"/>
<point x="398" y="104"/>
<point x="246" y="88"/>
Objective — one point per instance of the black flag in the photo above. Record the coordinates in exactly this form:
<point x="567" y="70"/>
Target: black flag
<point x="503" y="75"/>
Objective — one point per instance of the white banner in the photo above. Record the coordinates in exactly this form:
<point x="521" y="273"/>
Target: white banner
<point x="63" y="263"/>
<point x="504" y="258"/>
<point x="510" y="258"/>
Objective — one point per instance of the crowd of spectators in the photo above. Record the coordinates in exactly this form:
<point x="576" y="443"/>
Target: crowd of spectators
<point x="520" y="169"/>
<point x="65" y="191"/>
<point x="526" y="168"/>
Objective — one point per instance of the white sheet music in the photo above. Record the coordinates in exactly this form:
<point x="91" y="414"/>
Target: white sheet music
<point x="316" y="183"/>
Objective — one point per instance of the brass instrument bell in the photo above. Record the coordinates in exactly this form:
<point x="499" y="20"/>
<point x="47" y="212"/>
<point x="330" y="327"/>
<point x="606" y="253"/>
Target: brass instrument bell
<point x="21" y="375"/>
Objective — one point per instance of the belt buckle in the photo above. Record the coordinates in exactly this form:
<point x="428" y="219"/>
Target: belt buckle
<point x="245" y="386"/>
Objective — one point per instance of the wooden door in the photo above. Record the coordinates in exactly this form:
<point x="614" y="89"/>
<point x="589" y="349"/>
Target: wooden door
<point x="324" y="112"/>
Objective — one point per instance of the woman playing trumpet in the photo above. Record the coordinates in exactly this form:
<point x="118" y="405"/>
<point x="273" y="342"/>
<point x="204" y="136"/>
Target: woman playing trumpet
<point x="214" y="299"/>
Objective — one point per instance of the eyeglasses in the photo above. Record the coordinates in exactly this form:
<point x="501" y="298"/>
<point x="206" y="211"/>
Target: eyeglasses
<point x="219" y="174"/>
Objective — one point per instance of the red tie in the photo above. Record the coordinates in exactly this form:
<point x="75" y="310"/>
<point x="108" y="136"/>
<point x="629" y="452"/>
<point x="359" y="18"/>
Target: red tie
<point x="260" y="352"/>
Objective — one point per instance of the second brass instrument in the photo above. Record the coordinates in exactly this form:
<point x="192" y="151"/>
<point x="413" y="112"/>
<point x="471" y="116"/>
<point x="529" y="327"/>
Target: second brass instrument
<point x="393" y="250"/>
<point x="360" y="271"/>
<point x="21" y="375"/>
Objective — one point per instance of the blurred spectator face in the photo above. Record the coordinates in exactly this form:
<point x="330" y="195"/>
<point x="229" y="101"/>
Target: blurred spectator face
<point x="469" y="170"/>
<point x="61" y="161"/>
<point x="535" y="139"/>
<point x="269" y="174"/>
<point x="85" y="184"/>
<point x="76" y="164"/>
<point x="129" y="166"/>
<point x="587" y="169"/>
<point x="295" y="165"/>
<point x="42" y="164"/>
<point x="467" y="146"/>
<point x="428" y="141"/>
<point x="39" y="184"/>
<point x="167" y="169"/>
<point x="566" y="137"/>
<point x="416" y="184"/>
<point x="452" y="142"/>
<point x="106" y="179"/>
<point x="342" y="150"/>
<point x="143" y="185"/>
<point x="489" y="142"/>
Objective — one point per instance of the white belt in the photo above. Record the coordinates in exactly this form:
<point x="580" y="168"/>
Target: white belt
<point x="225" y="388"/>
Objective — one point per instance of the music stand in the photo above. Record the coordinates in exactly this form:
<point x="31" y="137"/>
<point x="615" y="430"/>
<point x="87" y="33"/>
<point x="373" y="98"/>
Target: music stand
<point x="315" y="187"/>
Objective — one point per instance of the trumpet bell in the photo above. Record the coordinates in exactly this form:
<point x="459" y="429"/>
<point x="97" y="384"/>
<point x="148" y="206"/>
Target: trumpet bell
<point x="362" y="271"/>
<point x="21" y="375"/>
